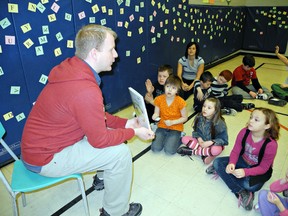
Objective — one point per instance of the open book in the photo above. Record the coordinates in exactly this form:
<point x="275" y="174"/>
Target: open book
<point x="140" y="108"/>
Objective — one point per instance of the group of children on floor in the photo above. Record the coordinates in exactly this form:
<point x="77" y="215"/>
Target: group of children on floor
<point x="250" y="162"/>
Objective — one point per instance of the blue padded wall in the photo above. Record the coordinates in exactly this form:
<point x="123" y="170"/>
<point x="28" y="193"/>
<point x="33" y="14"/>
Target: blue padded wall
<point x="35" y="36"/>
<point x="266" y="27"/>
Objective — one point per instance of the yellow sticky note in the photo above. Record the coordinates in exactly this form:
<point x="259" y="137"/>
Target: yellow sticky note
<point x="110" y="12"/>
<point x="70" y="43"/>
<point x="121" y="10"/>
<point x="129" y="34"/>
<point x="141" y="19"/>
<point x="26" y="27"/>
<point x="136" y="8"/>
<point x="140" y="30"/>
<point x="32" y="7"/>
<point x="8" y="116"/>
<point x="104" y="10"/>
<point x="138" y="60"/>
<point x="95" y="8"/>
<point x="52" y="17"/>
<point x="57" y="52"/>
<point x="12" y="8"/>
<point x="126" y="24"/>
<point x="28" y="43"/>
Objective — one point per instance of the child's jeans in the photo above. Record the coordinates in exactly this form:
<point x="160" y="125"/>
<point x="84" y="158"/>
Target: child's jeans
<point x="166" y="139"/>
<point x="235" y="184"/>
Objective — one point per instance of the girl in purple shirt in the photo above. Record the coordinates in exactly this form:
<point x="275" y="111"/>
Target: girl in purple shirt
<point x="250" y="163"/>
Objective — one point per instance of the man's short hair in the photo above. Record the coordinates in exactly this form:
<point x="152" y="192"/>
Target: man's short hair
<point x="89" y="37"/>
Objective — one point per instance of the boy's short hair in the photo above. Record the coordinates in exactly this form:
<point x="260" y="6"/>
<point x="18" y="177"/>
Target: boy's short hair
<point x="248" y="60"/>
<point x="206" y="76"/>
<point x="166" y="67"/>
<point x="227" y="74"/>
<point x="174" y="80"/>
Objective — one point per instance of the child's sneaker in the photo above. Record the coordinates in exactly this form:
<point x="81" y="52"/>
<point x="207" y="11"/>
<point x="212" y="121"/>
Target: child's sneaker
<point x="262" y="96"/>
<point x="210" y="170"/>
<point x="285" y="193"/>
<point x="228" y="111"/>
<point x="184" y="150"/>
<point x="277" y="102"/>
<point x="246" y="199"/>
<point x="248" y="106"/>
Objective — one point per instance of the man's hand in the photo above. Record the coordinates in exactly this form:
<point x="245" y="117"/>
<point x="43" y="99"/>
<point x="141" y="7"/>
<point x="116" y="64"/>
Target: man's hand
<point x="144" y="133"/>
<point x="132" y="123"/>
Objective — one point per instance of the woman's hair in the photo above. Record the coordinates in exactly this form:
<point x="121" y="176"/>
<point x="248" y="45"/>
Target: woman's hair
<point x="271" y="119"/>
<point x="197" y="49"/>
<point x="89" y="37"/>
<point x="174" y="80"/>
<point x="215" y="118"/>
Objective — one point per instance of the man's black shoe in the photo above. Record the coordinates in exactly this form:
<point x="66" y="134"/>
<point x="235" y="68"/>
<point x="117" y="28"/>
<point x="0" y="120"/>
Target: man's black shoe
<point x="98" y="184"/>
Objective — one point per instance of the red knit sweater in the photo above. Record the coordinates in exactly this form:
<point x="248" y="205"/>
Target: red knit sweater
<point x="69" y="108"/>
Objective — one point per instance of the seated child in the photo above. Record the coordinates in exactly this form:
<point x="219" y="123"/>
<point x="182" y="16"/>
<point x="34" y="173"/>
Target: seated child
<point x="230" y="104"/>
<point x="171" y="109"/>
<point x="271" y="203"/>
<point x="156" y="89"/>
<point x="250" y="162"/>
<point x="209" y="134"/>
<point x="202" y="90"/>
<point x="242" y="76"/>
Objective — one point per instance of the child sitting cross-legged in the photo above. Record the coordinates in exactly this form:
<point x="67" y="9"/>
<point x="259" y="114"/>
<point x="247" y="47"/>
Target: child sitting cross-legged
<point x="250" y="162"/>
<point x="202" y="90"/>
<point x="230" y="104"/>
<point x="210" y="133"/>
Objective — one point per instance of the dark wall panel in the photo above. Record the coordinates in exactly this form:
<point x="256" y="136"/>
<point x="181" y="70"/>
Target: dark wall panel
<point x="265" y="28"/>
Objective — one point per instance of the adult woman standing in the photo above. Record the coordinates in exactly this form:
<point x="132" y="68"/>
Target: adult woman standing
<point x="190" y="67"/>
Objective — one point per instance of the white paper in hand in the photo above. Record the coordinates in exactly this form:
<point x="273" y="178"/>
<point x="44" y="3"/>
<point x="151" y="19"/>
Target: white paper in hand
<point x="140" y="108"/>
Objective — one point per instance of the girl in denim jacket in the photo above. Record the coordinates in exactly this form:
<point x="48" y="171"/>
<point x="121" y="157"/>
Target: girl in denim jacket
<point x="210" y="133"/>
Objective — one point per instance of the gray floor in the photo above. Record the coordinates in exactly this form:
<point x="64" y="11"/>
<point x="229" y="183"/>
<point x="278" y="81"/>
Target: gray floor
<point x="169" y="185"/>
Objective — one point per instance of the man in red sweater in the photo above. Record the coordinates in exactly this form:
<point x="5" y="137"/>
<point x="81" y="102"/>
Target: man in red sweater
<point x="68" y="130"/>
